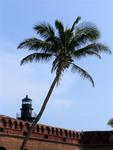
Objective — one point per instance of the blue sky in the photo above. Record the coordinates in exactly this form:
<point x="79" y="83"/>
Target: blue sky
<point x="75" y="104"/>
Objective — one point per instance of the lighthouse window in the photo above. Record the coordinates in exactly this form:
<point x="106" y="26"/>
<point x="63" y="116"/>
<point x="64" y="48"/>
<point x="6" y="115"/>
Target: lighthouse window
<point x="26" y="102"/>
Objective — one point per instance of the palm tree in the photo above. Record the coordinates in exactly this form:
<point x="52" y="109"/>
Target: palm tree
<point x="64" y="46"/>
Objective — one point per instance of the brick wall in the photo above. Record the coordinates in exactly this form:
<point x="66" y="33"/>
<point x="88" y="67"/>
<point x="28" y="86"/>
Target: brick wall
<point x="43" y="137"/>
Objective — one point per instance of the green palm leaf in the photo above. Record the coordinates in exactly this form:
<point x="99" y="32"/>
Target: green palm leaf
<point x="59" y="26"/>
<point x="92" y="49"/>
<point x="99" y="47"/>
<point x="35" y="44"/>
<point x="68" y="38"/>
<point x="45" y="30"/>
<point x="75" y="22"/>
<point x="82" y="72"/>
<point x="36" y="57"/>
<point x="82" y="53"/>
<point x="85" y="33"/>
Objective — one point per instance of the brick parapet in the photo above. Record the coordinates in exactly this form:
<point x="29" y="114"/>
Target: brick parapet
<point x="10" y="126"/>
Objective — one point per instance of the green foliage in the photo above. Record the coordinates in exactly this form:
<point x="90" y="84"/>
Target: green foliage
<point x="64" y="46"/>
<point x="82" y="72"/>
<point x="110" y="122"/>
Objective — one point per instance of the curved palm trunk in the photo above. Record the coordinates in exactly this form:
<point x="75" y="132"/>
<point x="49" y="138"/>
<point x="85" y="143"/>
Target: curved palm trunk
<point x="39" y="114"/>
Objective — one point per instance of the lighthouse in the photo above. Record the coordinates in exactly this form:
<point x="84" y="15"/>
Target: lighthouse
<point x="26" y="110"/>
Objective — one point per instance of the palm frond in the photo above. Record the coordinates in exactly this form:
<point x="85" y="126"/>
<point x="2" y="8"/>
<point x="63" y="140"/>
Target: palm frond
<point x="59" y="26"/>
<point x="36" y="57"/>
<point x="92" y="49"/>
<point x="28" y="43"/>
<point x="35" y="44"/>
<point x="73" y="44"/>
<point x="45" y="30"/>
<point x="75" y="22"/>
<point x="68" y="37"/>
<point x="98" y="47"/>
<point x="82" y="72"/>
<point x="81" y="53"/>
<point x="85" y="33"/>
<point x="88" y="50"/>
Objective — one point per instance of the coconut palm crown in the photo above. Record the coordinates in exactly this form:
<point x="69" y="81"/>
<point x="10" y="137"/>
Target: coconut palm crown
<point x="64" y="46"/>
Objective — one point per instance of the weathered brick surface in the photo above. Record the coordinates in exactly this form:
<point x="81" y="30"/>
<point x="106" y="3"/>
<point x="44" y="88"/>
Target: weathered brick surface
<point x="13" y="143"/>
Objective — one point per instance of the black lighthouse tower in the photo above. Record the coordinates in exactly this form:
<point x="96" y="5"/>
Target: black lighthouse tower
<point x="26" y="110"/>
